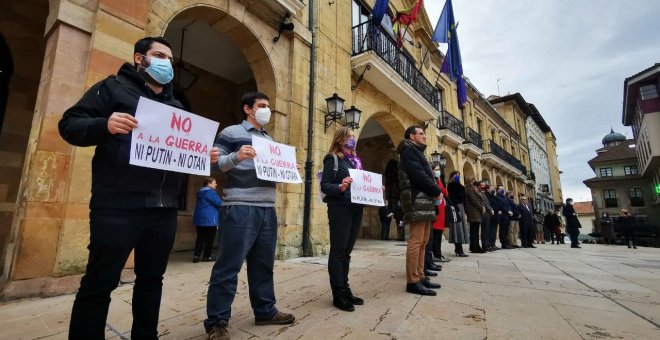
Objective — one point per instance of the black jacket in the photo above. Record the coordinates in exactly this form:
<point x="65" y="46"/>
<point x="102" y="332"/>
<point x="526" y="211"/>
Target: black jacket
<point x="551" y="221"/>
<point x="526" y="217"/>
<point x="456" y="192"/>
<point x="418" y="186"/>
<point x="383" y="212"/>
<point x="572" y="221"/>
<point x="115" y="183"/>
<point x="330" y="185"/>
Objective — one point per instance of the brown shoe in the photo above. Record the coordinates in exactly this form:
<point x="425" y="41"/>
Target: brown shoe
<point x="279" y="319"/>
<point x="219" y="331"/>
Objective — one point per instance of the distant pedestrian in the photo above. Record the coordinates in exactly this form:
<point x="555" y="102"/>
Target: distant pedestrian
<point x="514" y="227"/>
<point x="486" y="217"/>
<point x="398" y="219"/>
<point x="526" y="223"/>
<point x="505" y="214"/>
<point x="538" y="225"/>
<point x="474" y="211"/>
<point x="606" y="229"/>
<point x="551" y="224"/>
<point x="458" y="232"/>
<point x="628" y="228"/>
<point x="206" y="219"/>
<point x="491" y="195"/>
<point x="572" y="223"/>
<point x="385" y="214"/>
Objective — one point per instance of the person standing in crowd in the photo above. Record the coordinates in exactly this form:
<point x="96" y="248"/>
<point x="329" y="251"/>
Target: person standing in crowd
<point x="572" y="223"/>
<point x="458" y="232"/>
<point x="385" y="213"/>
<point x="628" y="228"/>
<point x="439" y="224"/>
<point x="474" y="210"/>
<point x="419" y="191"/>
<point x="398" y="219"/>
<point x="538" y="225"/>
<point x="505" y="214"/>
<point x="206" y="218"/>
<point x="344" y="216"/>
<point x="526" y="223"/>
<point x="485" y="218"/>
<point x="131" y="207"/>
<point x="606" y="229"/>
<point x="249" y="225"/>
<point x="514" y="226"/>
<point x="552" y="224"/>
<point x="491" y="194"/>
<point x="435" y="237"/>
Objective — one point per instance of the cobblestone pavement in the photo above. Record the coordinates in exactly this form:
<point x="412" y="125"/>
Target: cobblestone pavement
<point x="552" y="292"/>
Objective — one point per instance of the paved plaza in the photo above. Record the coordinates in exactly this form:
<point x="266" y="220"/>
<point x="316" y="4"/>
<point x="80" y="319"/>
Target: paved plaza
<point x="552" y="292"/>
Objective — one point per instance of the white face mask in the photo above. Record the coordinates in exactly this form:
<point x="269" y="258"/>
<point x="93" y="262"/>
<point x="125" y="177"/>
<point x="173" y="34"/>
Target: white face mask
<point x="262" y="116"/>
<point x="437" y="174"/>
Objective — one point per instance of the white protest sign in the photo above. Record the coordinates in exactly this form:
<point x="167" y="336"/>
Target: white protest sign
<point x="366" y="188"/>
<point x="275" y="162"/>
<point x="172" y="139"/>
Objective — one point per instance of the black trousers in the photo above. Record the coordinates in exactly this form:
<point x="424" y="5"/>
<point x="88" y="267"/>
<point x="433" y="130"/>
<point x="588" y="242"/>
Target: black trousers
<point x="385" y="230"/>
<point x="504" y="231"/>
<point x="205" y="238"/>
<point x="474" y="236"/>
<point x="527" y="234"/>
<point x="630" y="237"/>
<point x="114" y="233"/>
<point x="428" y="254"/>
<point x="573" y="234"/>
<point x="492" y="235"/>
<point x="345" y="222"/>
<point x="485" y="231"/>
<point x="436" y="239"/>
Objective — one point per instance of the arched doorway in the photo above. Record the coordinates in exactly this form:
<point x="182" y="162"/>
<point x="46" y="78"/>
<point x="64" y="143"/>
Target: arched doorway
<point x="449" y="167"/>
<point x="217" y="58"/>
<point x="468" y="171"/>
<point x="377" y="149"/>
<point x="486" y="177"/>
<point x="510" y="187"/>
<point x="498" y="180"/>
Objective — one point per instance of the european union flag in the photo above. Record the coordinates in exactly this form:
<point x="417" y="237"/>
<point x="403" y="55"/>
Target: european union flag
<point x="445" y="32"/>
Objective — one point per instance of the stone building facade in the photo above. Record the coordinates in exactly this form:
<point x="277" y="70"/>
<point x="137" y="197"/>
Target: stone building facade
<point x="225" y="48"/>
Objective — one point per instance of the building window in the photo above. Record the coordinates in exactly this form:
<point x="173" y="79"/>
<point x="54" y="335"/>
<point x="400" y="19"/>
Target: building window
<point x="636" y="197"/>
<point x="606" y="172"/>
<point x="648" y="91"/>
<point x="610" y="198"/>
<point x="630" y="170"/>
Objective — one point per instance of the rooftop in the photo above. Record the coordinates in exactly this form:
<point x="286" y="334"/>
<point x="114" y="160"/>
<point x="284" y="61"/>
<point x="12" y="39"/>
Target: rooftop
<point x="584" y="207"/>
<point x="625" y="150"/>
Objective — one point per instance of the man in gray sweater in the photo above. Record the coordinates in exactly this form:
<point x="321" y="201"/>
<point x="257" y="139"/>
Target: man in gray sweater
<point x="249" y="225"/>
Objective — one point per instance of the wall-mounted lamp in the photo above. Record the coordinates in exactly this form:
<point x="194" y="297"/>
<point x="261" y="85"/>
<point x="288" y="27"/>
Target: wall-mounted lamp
<point x="335" y="109"/>
<point x="353" y="117"/>
<point x="284" y="26"/>
<point x="439" y="159"/>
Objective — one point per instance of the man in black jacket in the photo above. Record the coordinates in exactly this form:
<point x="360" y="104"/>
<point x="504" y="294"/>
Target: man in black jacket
<point x="418" y="193"/>
<point x="131" y="207"/>
<point x="385" y="213"/>
<point x="526" y="223"/>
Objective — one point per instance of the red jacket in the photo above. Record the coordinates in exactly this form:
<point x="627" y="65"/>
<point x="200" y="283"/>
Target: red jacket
<point x="439" y="223"/>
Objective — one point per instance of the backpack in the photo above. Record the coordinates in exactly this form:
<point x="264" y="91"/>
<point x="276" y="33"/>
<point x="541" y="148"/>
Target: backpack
<point x="335" y="168"/>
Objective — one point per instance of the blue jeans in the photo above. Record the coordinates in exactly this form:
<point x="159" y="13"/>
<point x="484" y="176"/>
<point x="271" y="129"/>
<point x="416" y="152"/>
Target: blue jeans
<point x="248" y="233"/>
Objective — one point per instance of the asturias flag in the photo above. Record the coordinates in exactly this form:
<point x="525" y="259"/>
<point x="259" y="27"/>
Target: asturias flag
<point x="445" y="32"/>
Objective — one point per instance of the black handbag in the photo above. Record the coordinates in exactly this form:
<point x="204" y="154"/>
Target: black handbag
<point x="452" y="212"/>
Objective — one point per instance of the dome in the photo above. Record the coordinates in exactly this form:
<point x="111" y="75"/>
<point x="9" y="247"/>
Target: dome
<point x="613" y="138"/>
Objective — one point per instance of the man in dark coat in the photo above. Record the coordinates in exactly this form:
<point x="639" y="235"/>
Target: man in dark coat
<point x="526" y="222"/>
<point x="505" y="214"/>
<point x="385" y="213"/>
<point x="131" y="207"/>
<point x="551" y="223"/>
<point x="418" y="193"/>
<point x="572" y="223"/>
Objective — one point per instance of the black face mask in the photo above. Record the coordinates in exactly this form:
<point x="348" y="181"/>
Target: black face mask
<point x="510" y="197"/>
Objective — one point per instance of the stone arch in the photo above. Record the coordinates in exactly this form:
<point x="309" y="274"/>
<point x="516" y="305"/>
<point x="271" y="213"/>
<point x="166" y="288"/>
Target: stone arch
<point x="485" y="176"/>
<point x="499" y="180"/>
<point x="468" y="171"/>
<point x="223" y="17"/>
<point x="449" y="167"/>
<point x="510" y="186"/>
<point x="389" y="122"/>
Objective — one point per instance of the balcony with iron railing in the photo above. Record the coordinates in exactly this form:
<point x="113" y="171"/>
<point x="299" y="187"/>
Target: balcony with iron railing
<point x="377" y="58"/>
<point x="447" y="121"/>
<point x="474" y="138"/>
<point x="490" y="147"/>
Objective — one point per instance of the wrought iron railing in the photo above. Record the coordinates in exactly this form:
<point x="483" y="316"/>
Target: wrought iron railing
<point x="385" y="46"/>
<point x="473" y="137"/>
<point x="453" y="124"/>
<point x="492" y="147"/>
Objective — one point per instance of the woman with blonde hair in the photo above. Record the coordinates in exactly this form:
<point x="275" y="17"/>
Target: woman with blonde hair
<point x="344" y="217"/>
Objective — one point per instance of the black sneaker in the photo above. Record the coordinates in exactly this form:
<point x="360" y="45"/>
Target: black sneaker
<point x="279" y="319"/>
<point x="219" y="331"/>
<point x="343" y="303"/>
<point x="354" y="299"/>
<point x="428" y="284"/>
<point x="418" y="288"/>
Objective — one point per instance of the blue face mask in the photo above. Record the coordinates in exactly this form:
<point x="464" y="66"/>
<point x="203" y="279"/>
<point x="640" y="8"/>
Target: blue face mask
<point x="501" y="191"/>
<point x="457" y="178"/>
<point x="160" y="70"/>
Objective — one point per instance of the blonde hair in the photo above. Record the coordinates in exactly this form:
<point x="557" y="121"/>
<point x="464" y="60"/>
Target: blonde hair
<point x="338" y="140"/>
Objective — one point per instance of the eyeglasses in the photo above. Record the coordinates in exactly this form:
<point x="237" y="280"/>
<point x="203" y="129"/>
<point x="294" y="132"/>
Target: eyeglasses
<point x="160" y="55"/>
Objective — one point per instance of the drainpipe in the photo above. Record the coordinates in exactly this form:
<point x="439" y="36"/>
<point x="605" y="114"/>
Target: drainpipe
<point x="309" y="177"/>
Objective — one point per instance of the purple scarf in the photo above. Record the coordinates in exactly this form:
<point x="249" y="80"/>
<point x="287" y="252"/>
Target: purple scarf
<point x="357" y="162"/>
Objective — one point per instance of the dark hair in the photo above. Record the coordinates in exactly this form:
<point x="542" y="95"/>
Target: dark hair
<point x="250" y="98"/>
<point x="209" y="180"/>
<point x="411" y="131"/>
<point x="143" y="45"/>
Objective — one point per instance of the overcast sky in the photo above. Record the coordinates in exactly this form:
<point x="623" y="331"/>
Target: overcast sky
<point x="567" y="57"/>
